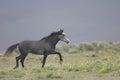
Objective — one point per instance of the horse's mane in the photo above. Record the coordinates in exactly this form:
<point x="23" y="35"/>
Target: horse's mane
<point x="52" y="34"/>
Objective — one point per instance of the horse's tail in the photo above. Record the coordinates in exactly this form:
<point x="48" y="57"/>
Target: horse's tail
<point x="10" y="49"/>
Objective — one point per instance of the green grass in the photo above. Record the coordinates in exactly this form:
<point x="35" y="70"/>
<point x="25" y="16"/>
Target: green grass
<point x="77" y="63"/>
<point x="53" y="75"/>
<point x="95" y="66"/>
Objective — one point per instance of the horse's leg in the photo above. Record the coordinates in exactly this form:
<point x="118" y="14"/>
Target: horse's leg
<point x="44" y="60"/>
<point x="60" y="56"/>
<point x="17" y="62"/>
<point x="22" y="60"/>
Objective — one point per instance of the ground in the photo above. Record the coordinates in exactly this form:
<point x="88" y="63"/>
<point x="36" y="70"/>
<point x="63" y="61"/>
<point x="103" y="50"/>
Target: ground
<point x="82" y="65"/>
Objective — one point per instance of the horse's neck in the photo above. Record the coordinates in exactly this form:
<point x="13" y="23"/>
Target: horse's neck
<point x="53" y="41"/>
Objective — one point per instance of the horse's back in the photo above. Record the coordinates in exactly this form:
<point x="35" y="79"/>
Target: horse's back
<point x="26" y="45"/>
<point x="31" y="46"/>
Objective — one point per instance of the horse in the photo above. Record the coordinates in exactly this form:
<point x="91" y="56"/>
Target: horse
<point x="44" y="46"/>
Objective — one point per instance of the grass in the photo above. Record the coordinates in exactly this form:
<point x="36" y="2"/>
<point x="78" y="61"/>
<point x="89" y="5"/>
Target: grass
<point x="10" y="74"/>
<point x="53" y="75"/>
<point x="77" y="63"/>
<point x="95" y="66"/>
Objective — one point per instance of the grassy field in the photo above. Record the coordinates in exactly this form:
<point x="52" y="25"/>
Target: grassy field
<point x="85" y="61"/>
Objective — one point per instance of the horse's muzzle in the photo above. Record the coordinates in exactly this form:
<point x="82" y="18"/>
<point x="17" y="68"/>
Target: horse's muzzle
<point x="66" y="40"/>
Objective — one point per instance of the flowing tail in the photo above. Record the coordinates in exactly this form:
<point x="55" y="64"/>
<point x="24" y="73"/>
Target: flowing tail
<point x="10" y="49"/>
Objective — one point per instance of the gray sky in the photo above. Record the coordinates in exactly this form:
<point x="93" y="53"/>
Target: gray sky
<point x="82" y="20"/>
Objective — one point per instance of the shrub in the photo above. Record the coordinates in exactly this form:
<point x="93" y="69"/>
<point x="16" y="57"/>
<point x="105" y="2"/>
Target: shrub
<point x="91" y="46"/>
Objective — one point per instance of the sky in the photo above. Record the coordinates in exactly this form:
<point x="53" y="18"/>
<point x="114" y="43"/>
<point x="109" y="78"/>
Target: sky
<point x="82" y="20"/>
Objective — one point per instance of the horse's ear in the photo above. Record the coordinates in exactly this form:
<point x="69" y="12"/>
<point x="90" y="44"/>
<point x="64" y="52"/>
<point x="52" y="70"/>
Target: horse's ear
<point x="61" y="31"/>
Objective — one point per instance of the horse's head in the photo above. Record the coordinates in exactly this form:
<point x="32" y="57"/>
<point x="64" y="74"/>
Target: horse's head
<point x="62" y="36"/>
<point x="59" y="35"/>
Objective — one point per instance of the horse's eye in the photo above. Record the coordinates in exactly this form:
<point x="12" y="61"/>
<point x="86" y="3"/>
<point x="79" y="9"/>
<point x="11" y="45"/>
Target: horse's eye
<point x="63" y="34"/>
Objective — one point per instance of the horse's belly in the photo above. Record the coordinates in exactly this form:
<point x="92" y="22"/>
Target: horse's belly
<point x="39" y="52"/>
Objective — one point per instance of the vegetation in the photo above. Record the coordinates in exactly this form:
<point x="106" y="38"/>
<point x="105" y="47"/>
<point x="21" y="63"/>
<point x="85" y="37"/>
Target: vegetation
<point x="93" y="46"/>
<point x="96" y="60"/>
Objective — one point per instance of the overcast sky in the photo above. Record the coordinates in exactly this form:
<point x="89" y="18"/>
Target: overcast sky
<point x="82" y="20"/>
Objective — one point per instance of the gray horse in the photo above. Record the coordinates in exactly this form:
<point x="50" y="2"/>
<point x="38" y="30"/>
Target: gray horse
<point x="45" y="46"/>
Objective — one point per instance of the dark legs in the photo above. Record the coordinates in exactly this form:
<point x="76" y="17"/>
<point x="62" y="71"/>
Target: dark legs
<point x="21" y="58"/>
<point x="60" y="56"/>
<point x="44" y="60"/>
<point x="53" y="52"/>
<point x="22" y="61"/>
<point x="17" y="62"/>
